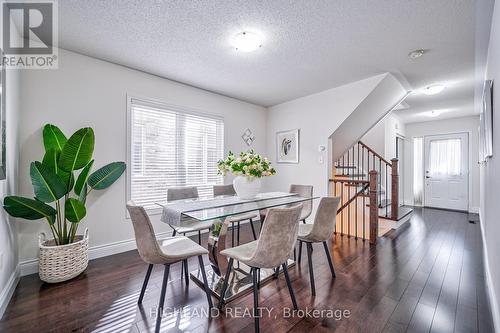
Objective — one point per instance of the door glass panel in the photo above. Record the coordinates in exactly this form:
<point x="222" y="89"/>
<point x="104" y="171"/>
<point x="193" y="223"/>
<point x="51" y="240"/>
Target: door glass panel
<point x="445" y="157"/>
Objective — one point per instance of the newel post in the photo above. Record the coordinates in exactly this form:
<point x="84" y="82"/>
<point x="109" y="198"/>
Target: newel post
<point x="373" y="207"/>
<point x="394" y="189"/>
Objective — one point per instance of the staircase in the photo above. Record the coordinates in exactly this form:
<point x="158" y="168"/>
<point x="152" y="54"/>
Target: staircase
<point x="368" y="186"/>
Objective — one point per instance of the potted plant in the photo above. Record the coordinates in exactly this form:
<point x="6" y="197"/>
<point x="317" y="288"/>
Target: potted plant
<point x="60" y="198"/>
<point x="248" y="168"/>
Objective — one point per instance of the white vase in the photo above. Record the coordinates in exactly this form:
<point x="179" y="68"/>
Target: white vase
<point x="246" y="187"/>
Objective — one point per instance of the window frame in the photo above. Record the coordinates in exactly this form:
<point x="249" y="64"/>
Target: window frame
<point x="165" y="105"/>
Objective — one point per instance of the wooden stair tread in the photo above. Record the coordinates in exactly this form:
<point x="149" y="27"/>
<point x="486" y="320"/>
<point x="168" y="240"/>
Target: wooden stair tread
<point x="346" y="167"/>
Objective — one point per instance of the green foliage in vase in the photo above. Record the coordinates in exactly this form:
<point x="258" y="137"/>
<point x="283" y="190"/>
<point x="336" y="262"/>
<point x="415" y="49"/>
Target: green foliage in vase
<point x="60" y="197"/>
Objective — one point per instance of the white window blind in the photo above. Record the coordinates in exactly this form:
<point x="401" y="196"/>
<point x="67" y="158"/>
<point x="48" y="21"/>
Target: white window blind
<point x="171" y="148"/>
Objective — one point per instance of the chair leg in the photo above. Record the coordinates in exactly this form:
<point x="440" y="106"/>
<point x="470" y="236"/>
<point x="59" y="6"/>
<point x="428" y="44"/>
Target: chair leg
<point x="300" y="251"/>
<point x="290" y="289"/>
<point x="199" y="237"/>
<point x="186" y="275"/>
<point x="276" y="272"/>
<point x="232" y="234"/>
<point x="329" y="258"/>
<point x="145" y="283"/>
<point x="311" y="273"/>
<point x="238" y="235"/>
<point x="304" y="221"/>
<point x="162" y="298"/>
<point x="294" y="253"/>
<point x="205" y="283"/>
<point x="174" y="233"/>
<point x="255" y="300"/>
<point x="253" y="229"/>
<point x="226" y="281"/>
<point x="258" y="278"/>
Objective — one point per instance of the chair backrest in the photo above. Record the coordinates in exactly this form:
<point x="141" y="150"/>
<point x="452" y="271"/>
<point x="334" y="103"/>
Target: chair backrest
<point x="148" y="247"/>
<point x="180" y="193"/>
<point x="277" y="238"/>
<point x="324" y="221"/>
<point x="305" y="191"/>
<point x="224" y="190"/>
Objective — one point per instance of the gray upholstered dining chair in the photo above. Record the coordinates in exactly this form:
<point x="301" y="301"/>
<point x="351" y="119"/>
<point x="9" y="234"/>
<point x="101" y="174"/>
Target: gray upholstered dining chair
<point x="165" y="252"/>
<point x="319" y="232"/>
<point x="272" y="249"/>
<point x="183" y="193"/>
<point x="229" y="190"/>
<point x="305" y="191"/>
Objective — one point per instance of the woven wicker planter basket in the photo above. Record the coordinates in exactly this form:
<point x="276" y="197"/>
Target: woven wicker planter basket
<point x="63" y="262"/>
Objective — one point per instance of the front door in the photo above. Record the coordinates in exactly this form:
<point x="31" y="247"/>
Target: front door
<point x="446" y="171"/>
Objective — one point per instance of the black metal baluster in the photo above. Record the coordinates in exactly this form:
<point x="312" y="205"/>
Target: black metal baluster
<point x="348" y="159"/>
<point x="359" y="172"/>
<point x="380" y="182"/>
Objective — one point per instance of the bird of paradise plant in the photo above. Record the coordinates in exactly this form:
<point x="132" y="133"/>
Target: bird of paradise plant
<point x="60" y="196"/>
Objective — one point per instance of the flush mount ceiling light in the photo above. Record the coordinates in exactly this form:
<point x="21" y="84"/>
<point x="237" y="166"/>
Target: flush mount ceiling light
<point x="247" y="41"/>
<point x="416" y="54"/>
<point x="433" y="90"/>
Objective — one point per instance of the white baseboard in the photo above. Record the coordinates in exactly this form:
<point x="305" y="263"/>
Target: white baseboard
<point x="474" y="210"/>
<point x="28" y="267"/>
<point x="7" y="292"/>
<point x="489" y="282"/>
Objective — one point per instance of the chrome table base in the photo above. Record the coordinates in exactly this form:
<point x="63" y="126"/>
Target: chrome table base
<point x="240" y="280"/>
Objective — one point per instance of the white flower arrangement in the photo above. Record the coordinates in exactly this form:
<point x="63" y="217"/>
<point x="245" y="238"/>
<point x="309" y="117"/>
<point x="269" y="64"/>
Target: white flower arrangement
<point x="247" y="164"/>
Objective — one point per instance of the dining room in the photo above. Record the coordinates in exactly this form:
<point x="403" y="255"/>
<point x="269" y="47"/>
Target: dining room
<point x="243" y="166"/>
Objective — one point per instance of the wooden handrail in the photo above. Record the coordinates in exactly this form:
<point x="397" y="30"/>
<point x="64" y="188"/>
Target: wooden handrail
<point x="375" y="153"/>
<point x="362" y="190"/>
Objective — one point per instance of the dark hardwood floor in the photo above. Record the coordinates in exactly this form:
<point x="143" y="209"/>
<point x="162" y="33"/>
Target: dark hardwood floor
<point x="427" y="278"/>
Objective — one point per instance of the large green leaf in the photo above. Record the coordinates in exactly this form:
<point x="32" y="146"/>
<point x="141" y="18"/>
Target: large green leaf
<point x="28" y="209"/>
<point x="53" y="138"/>
<point x="82" y="178"/>
<point x="47" y="185"/>
<point x="74" y="210"/>
<point x="77" y="152"/>
<point x="51" y="159"/>
<point x="106" y="176"/>
<point x="68" y="179"/>
<point x="83" y="194"/>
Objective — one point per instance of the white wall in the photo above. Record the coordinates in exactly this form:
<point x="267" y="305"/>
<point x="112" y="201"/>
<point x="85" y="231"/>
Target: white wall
<point x="88" y="92"/>
<point x="382" y="136"/>
<point x="393" y="127"/>
<point x="317" y="116"/>
<point x="490" y="177"/>
<point x="436" y="127"/>
<point x="8" y="230"/>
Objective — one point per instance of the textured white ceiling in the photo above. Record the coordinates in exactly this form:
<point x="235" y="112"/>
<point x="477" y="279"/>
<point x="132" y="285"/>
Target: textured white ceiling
<point x="310" y="45"/>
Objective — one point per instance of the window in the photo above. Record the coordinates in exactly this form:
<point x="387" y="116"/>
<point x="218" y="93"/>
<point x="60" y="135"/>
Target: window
<point x="171" y="147"/>
<point x="445" y="157"/>
<point x="418" y="172"/>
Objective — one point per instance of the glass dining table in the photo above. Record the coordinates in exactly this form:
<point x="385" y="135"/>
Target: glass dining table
<point x="216" y="212"/>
